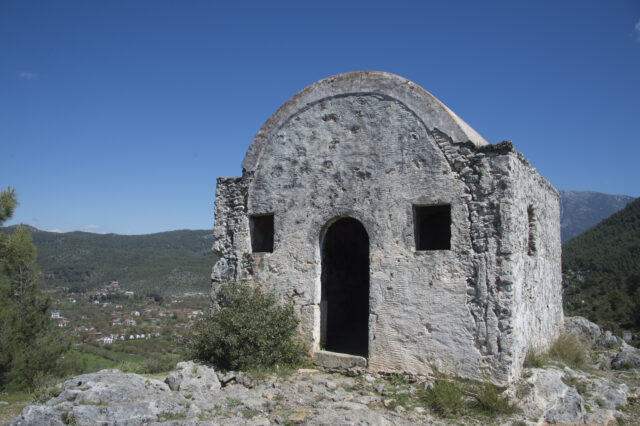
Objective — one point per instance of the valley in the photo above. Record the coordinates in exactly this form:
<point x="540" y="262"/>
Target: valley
<point x="113" y="328"/>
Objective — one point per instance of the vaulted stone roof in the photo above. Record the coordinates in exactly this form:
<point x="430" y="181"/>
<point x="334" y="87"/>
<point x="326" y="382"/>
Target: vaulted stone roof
<point x="433" y="113"/>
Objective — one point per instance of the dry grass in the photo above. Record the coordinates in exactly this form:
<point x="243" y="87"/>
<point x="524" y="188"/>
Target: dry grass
<point x="16" y="402"/>
<point x="452" y="397"/>
<point x="567" y="349"/>
<point x="535" y="359"/>
<point x="445" y="397"/>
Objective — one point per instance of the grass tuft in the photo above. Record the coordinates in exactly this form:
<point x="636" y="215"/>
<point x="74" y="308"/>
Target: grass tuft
<point x="489" y="399"/>
<point x="450" y="397"/>
<point x="569" y="350"/>
<point x="445" y="397"/>
<point x="535" y="359"/>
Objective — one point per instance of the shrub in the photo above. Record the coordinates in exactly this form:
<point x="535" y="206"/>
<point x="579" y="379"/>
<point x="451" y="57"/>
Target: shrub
<point x="535" y="359"/>
<point x="452" y="396"/>
<point x="567" y="349"/>
<point x="570" y="350"/>
<point x="445" y="397"/>
<point x="248" y="330"/>
<point x="489" y="399"/>
<point x="155" y="364"/>
<point x="130" y="367"/>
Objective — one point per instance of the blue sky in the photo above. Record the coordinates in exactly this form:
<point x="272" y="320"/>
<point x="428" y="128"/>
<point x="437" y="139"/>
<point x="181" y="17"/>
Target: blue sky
<point x="118" y="116"/>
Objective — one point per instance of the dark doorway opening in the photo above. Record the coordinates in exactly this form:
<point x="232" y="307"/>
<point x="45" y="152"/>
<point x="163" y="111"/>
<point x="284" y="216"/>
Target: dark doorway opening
<point x="345" y="288"/>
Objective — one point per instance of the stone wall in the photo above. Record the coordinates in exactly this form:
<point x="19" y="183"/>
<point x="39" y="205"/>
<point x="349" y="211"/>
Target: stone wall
<point x="537" y="270"/>
<point x="514" y="292"/>
<point x="371" y="147"/>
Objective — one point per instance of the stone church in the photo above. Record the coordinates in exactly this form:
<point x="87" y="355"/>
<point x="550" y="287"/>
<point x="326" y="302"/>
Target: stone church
<point x="406" y="242"/>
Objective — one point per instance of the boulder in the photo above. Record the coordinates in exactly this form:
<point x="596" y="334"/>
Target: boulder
<point x="568" y="409"/>
<point x="107" y="397"/>
<point x="192" y="377"/>
<point x="626" y="359"/>
<point x="608" y="341"/>
<point x="601" y="395"/>
<point x="565" y="396"/>
<point x="37" y="414"/>
<point x="582" y="328"/>
<point x="551" y="400"/>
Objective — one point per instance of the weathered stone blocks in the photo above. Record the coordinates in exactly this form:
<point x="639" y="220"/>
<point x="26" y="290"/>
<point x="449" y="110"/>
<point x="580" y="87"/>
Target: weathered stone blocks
<point x="371" y="148"/>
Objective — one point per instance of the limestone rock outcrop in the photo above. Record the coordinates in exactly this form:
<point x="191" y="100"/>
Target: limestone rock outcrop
<point x="551" y="395"/>
<point x="583" y="329"/>
<point x="192" y="377"/>
<point x="560" y="395"/>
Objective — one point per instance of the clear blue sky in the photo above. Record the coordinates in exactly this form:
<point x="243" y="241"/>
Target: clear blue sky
<point x="118" y="116"/>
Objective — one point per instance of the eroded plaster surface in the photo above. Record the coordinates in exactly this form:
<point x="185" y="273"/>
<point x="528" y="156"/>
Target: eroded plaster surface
<point x="371" y="146"/>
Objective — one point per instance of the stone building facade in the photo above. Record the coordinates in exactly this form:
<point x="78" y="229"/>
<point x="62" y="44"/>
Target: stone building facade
<point x="406" y="242"/>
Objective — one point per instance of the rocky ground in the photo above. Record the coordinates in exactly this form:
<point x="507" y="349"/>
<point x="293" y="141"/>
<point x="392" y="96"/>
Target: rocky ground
<point x="196" y="394"/>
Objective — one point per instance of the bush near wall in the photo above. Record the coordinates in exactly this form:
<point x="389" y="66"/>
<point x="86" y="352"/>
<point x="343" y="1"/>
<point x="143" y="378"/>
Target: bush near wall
<point x="248" y="330"/>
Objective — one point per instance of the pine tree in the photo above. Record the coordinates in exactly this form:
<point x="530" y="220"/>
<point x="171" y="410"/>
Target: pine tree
<point x="30" y="346"/>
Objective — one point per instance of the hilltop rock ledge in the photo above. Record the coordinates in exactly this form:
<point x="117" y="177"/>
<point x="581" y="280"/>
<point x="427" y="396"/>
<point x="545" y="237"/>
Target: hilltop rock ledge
<point x="196" y="394"/>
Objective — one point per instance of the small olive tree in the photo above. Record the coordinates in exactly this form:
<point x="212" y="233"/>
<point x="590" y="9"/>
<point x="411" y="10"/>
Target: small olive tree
<point x="248" y="330"/>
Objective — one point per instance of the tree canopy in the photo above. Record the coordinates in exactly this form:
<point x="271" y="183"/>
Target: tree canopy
<point x="601" y="270"/>
<point x="30" y="345"/>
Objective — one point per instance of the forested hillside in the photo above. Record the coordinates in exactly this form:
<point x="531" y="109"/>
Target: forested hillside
<point x="601" y="270"/>
<point x="164" y="263"/>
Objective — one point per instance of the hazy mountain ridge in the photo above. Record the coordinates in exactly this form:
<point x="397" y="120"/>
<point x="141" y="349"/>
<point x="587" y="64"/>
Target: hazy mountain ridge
<point x="581" y="210"/>
<point x="177" y="261"/>
<point x="163" y="263"/>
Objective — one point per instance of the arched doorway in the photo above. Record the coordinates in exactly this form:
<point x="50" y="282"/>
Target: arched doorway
<point x="345" y="288"/>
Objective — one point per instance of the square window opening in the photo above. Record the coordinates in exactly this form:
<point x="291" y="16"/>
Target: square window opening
<point x="432" y="227"/>
<point x="261" y="229"/>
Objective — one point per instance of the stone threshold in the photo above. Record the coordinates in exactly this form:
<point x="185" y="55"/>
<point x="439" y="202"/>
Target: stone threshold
<point x="338" y="361"/>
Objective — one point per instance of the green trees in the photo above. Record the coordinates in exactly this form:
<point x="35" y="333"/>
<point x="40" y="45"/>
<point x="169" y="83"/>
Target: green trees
<point x="30" y="346"/>
<point x="249" y="330"/>
<point x="601" y="271"/>
<point x="164" y="263"/>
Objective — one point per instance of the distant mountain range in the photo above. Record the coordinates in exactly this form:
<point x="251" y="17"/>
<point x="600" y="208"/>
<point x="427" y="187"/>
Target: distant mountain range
<point x="581" y="210"/>
<point x="180" y="261"/>
<point x="165" y="263"/>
